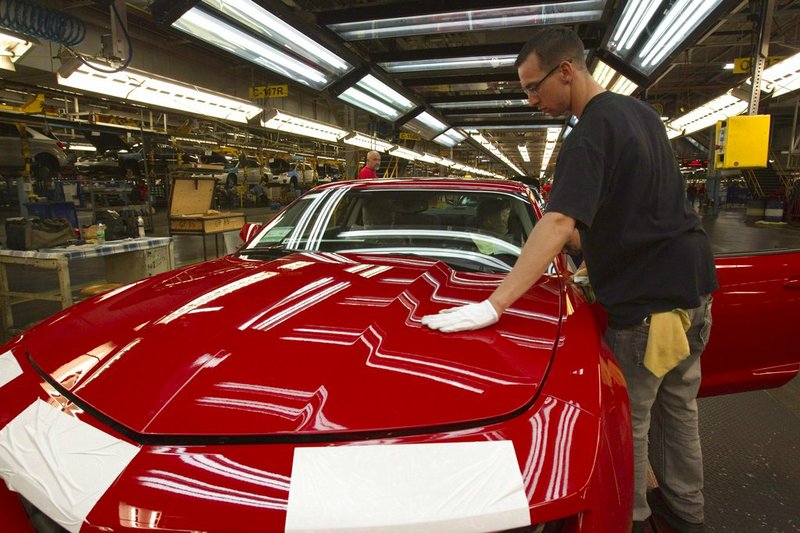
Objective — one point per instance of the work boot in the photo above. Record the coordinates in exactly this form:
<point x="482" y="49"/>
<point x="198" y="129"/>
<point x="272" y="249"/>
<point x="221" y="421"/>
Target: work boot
<point x="661" y="509"/>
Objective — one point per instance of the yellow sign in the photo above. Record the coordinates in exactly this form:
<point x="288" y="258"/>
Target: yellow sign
<point x="741" y="65"/>
<point x="406" y="136"/>
<point x="269" y="91"/>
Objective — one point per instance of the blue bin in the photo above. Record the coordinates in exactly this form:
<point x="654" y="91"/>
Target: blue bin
<point x="53" y="210"/>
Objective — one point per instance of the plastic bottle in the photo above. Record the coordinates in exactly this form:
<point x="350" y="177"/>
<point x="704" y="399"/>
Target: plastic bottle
<point x="140" y="225"/>
<point x="101" y="233"/>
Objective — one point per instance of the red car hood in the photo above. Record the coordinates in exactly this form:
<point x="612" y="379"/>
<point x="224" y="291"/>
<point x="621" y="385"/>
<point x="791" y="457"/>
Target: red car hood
<point x="304" y="344"/>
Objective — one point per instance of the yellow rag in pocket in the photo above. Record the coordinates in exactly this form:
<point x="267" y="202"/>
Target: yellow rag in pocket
<point x="667" y="344"/>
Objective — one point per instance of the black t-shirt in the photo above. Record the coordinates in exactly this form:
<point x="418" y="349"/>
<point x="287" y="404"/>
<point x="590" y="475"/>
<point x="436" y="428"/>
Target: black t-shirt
<point x="644" y="245"/>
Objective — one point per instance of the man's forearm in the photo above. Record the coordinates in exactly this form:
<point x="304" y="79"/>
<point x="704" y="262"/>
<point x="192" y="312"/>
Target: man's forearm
<point x="546" y="241"/>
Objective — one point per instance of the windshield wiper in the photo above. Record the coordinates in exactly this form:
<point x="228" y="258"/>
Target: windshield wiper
<point x="272" y="251"/>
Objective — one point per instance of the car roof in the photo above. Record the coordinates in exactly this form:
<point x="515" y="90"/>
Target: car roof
<point x="434" y="183"/>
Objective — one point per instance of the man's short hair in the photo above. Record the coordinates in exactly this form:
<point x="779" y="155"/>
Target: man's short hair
<point x="552" y="45"/>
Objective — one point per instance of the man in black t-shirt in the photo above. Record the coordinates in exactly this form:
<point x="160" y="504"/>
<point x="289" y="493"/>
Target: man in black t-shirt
<point x="619" y="196"/>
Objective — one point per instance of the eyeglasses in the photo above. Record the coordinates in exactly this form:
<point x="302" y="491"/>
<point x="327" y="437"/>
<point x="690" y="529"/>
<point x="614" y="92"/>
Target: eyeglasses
<point x="533" y="88"/>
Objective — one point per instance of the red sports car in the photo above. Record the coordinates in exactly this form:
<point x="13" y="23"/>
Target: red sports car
<point x="291" y="387"/>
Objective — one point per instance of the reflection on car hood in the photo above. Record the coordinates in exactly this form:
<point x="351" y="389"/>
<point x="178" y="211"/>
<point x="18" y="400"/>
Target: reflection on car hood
<point x="305" y="344"/>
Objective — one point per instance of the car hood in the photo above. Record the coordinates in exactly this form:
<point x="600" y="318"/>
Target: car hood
<point x="304" y="344"/>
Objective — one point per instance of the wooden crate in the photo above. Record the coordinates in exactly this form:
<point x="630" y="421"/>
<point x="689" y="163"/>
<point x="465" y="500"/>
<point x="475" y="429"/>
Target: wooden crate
<point x="190" y="208"/>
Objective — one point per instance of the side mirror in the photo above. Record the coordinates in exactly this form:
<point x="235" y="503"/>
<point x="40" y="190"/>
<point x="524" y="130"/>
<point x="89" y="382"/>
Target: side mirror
<point x="249" y="230"/>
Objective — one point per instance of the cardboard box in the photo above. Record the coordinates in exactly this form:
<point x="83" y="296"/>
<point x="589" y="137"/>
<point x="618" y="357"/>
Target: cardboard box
<point x="190" y="208"/>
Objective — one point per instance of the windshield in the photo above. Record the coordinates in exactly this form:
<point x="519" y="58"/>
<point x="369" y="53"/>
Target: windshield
<point x="469" y="230"/>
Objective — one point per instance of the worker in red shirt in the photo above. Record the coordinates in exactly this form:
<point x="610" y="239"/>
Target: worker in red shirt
<point x="372" y="165"/>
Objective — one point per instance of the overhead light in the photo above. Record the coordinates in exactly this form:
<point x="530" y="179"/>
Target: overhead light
<point x="603" y="74"/>
<point x="376" y="97"/>
<point x="623" y="85"/>
<point x="496" y="152"/>
<point x="404" y="153"/>
<point x="278" y="46"/>
<point x="138" y="86"/>
<point x="477" y="19"/>
<point x="523" y="151"/>
<point x="628" y="40"/>
<point x="282" y="121"/>
<point x="612" y="80"/>
<point x="12" y="47"/>
<point x="366" y="141"/>
<point x="783" y="77"/>
<point x="482" y="104"/>
<point x="450" y="138"/>
<point x="81" y="147"/>
<point x="425" y="125"/>
<point x="453" y="63"/>
<point x="728" y="66"/>
<point x="430" y="158"/>
<point x="706" y="115"/>
<point x="446" y="162"/>
<point x="634" y="19"/>
<point x="549" y="147"/>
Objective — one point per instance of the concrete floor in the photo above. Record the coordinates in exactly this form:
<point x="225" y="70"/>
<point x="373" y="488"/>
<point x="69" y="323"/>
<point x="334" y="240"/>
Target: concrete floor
<point x="751" y="441"/>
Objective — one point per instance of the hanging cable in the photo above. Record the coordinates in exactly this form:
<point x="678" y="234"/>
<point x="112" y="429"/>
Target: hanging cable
<point x="25" y="17"/>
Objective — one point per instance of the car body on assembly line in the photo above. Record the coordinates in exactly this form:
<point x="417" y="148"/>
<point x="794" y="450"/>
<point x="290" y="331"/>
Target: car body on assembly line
<point x="299" y="175"/>
<point x="291" y="386"/>
<point x="245" y="171"/>
<point x="47" y="154"/>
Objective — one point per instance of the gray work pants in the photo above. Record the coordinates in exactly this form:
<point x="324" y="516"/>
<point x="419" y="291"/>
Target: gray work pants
<point x="666" y="408"/>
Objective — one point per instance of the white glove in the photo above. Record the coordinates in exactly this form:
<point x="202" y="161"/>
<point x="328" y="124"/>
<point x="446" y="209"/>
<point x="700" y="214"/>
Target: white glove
<point x="464" y="318"/>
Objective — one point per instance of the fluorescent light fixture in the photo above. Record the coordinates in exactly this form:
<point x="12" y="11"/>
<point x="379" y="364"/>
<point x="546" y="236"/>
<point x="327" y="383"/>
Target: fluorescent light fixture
<point x="680" y="20"/>
<point x="150" y="89"/>
<point x="404" y="153"/>
<point x="496" y="152"/>
<point x="706" y="115"/>
<point x="523" y="151"/>
<point x="193" y="140"/>
<point x="12" y="47"/>
<point x="273" y="28"/>
<point x="367" y="142"/>
<point x="453" y="63"/>
<point x="270" y="49"/>
<point x="430" y="158"/>
<point x="549" y="147"/>
<point x="446" y="162"/>
<point x="376" y="97"/>
<point x="282" y="121"/>
<point x="425" y="125"/>
<point x="450" y="138"/>
<point x="728" y="66"/>
<point x="612" y="80"/>
<point x="81" y="147"/>
<point x="623" y="85"/>
<point x="603" y="74"/>
<point x="482" y="104"/>
<point x="635" y="16"/>
<point x="477" y="19"/>
<point x="783" y="77"/>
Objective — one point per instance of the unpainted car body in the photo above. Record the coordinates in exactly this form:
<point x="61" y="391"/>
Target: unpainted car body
<point x="230" y="387"/>
<point x="48" y="158"/>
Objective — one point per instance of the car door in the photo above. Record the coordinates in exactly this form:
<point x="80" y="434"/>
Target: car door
<point x="754" y="342"/>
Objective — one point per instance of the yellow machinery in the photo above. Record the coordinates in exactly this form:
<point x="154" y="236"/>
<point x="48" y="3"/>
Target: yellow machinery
<point x="742" y="142"/>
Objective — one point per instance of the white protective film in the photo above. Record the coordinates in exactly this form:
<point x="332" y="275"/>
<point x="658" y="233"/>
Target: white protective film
<point x="464" y="487"/>
<point x="9" y="368"/>
<point x="61" y="465"/>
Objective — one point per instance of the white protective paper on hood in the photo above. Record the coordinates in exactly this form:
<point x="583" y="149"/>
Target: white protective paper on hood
<point x="446" y="487"/>
<point x="9" y="368"/>
<point x="61" y="465"/>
